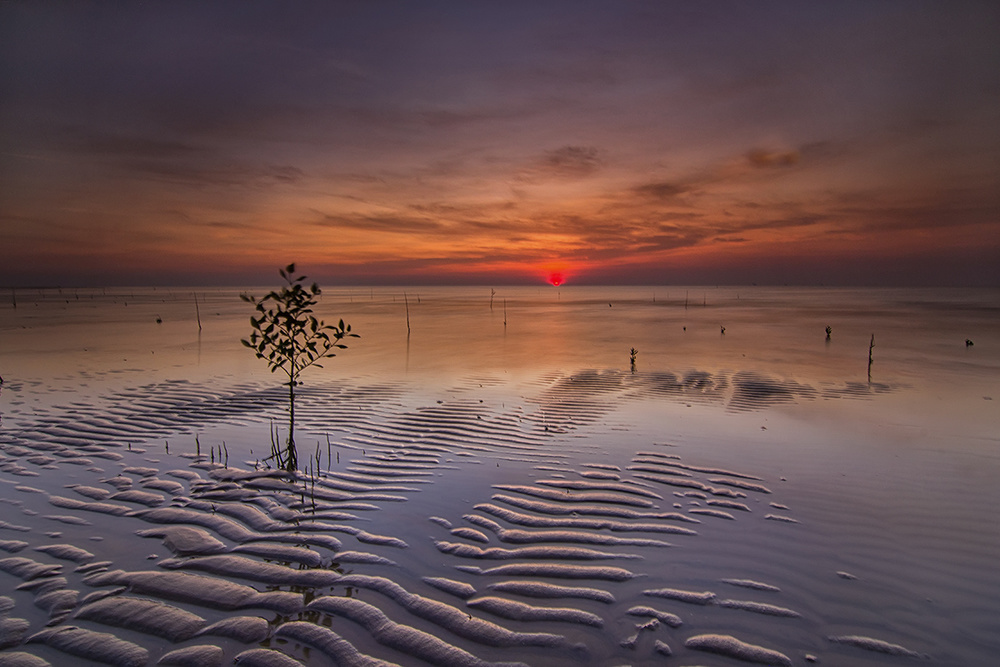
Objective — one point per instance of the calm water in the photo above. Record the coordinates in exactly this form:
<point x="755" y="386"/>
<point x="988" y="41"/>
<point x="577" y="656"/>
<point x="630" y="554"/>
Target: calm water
<point x="892" y="480"/>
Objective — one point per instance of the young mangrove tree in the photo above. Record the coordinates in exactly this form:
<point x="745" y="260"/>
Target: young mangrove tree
<point x="290" y="339"/>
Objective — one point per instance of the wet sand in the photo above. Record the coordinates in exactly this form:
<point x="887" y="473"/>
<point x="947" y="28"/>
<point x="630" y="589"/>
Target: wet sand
<point x="593" y="516"/>
<point x="465" y="532"/>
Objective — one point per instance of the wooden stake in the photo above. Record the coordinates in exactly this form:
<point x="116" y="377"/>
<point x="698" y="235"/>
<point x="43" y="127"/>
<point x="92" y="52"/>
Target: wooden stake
<point x="407" y="302"/>
<point x="871" y="346"/>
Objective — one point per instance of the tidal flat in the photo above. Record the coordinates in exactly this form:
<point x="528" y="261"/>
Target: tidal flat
<point x="492" y="482"/>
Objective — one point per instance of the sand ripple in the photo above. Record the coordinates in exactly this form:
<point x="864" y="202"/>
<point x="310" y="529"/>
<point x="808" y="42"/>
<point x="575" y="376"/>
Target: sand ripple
<point x="149" y="616"/>
<point x="204" y="655"/>
<point x="876" y="645"/>
<point x="322" y="639"/>
<point x="90" y="645"/>
<point x="520" y="611"/>
<point x="293" y="547"/>
<point x="537" y="589"/>
<point x="401" y="637"/>
<point x="734" y="648"/>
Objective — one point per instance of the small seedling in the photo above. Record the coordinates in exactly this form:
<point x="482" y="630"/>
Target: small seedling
<point x="829" y="330"/>
<point x="290" y="339"/>
<point x="631" y="358"/>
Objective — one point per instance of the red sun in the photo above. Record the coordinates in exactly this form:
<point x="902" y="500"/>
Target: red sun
<point x="556" y="279"/>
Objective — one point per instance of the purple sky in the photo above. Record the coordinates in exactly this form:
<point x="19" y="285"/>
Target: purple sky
<point x="493" y="142"/>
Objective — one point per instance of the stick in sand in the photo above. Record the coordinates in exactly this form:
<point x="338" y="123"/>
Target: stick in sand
<point x="407" y="302"/>
<point x="871" y="346"/>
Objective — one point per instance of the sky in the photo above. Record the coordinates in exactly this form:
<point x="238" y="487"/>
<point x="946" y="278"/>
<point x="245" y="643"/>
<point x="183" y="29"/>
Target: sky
<point x="500" y="142"/>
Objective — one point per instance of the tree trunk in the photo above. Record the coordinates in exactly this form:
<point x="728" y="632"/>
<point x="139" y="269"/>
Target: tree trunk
<point x="291" y="456"/>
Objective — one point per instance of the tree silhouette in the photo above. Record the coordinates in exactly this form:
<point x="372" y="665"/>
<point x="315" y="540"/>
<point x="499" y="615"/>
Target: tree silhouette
<point x="290" y="339"/>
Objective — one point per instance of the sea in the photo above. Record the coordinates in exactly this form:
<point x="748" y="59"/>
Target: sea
<point x="529" y="475"/>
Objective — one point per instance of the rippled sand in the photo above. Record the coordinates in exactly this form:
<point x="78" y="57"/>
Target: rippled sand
<point x="592" y="517"/>
<point x="464" y="533"/>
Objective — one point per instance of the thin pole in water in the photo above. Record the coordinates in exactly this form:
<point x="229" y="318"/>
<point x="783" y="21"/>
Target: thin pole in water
<point x="871" y="346"/>
<point x="407" y="302"/>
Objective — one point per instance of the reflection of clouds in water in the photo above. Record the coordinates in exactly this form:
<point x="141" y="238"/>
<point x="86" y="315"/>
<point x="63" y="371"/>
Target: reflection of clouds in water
<point x="858" y="390"/>
<point x="752" y="391"/>
<point x="692" y="385"/>
<point x="565" y="402"/>
<point x="743" y="391"/>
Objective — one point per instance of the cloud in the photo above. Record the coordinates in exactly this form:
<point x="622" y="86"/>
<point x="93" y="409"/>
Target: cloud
<point x="79" y="140"/>
<point x="573" y="160"/>
<point x="940" y="213"/>
<point x="460" y="116"/>
<point x="221" y="175"/>
<point x="762" y="158"/>
<point x="566" y="163"/>
<point x="662" y="190"/>
<point x="713" y="209"/>
<point x="464" y="211"/>
<point x="167" y="159"/>
<point x="380" y="223"/>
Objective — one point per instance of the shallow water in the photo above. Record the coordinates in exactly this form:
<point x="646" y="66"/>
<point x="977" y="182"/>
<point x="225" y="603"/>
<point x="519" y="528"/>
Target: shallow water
<point x="515" y="442"/>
